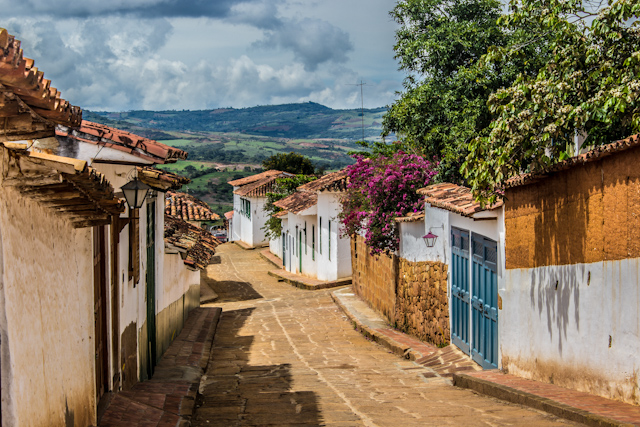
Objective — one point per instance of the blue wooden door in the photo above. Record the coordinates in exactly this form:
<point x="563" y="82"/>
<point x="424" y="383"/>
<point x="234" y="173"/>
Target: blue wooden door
<point x="484" y="302"/>
<point x="460" y="289"/>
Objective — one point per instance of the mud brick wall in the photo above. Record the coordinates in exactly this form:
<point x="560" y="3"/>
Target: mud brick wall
<point x="422" y="305"/>
<point x="412" y="296"/>
<point x="374" y="278"/>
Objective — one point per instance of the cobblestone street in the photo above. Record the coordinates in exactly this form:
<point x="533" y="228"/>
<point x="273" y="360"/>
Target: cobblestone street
<point x="286" y="356"/>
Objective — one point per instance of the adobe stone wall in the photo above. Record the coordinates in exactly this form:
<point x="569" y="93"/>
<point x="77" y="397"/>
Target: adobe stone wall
<point x="422" y="305"/>
<point x="374" y="278"/>
<point x="412" y="296"/>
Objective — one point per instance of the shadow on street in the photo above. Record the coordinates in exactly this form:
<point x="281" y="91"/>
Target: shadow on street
<point x="237" y="393"/>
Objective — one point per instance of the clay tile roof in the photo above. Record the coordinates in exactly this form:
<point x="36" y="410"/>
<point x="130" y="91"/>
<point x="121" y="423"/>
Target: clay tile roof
<point x="127" y="142"/>
<point x="188" y="208"/>
<point x="297" y="202"/>
<point x="281" y="214"/>
<point x="411" y="217"/>
<point x="253" y="178"/>
<point x="262" y="186"/>
<point x="25" y="91"/>
<point x="336" y="181"/>
<point x="590" y="156"/>
<point x="67" y="186"/>
<point x="161" y="180"/>
<point x="199" y="244"/>
<point x="228" y="215"/>
<point x="454" y="198"/>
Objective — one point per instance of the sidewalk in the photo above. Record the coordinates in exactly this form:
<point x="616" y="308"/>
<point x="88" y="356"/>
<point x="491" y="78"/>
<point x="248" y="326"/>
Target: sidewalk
<point x="451" y="363"/>
<point x="168" y="398"/>
<point x="297" y="280"/>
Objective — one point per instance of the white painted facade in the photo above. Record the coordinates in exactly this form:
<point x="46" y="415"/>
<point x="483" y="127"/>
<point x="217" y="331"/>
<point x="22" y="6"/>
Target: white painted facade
<point x="582" y="326"/>
<point x="334" y="252"/>
<point x="489" y="224"/>
<point x="246" y="227"/>
<point x="298" y="232"/>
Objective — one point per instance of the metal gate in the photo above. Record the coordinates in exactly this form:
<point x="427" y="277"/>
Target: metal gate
<point x="474" y="297"/>
<point x="484" y="302"/>
<point x="460" y="289"/>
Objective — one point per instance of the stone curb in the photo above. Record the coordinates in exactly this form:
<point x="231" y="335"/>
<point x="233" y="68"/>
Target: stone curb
<point x="246" y="247"/>
<point x="271" y="261"/>
<point x="552" y="407"/>
<point x="300" y="284"/>
<point x="377" y="337"/>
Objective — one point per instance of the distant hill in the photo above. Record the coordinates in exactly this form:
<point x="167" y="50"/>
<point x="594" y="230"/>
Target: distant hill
<point x="305" y="120"/>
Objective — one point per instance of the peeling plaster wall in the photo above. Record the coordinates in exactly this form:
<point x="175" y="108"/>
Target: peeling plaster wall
<point x="48" y="354"/>
<point x="570" y="310"/>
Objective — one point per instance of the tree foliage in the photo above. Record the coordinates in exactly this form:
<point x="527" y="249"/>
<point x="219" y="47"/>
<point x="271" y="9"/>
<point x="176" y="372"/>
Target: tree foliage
<point x="290" y="162"/>
<point x="379" y="190"/>
<point x="283" y="187"/>
<point x="590" y="85"/>
<point x="444" y="105"/>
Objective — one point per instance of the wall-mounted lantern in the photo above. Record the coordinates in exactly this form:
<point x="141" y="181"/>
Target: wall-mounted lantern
<point x="430" y="239"/>
<point x="135" y="191"/>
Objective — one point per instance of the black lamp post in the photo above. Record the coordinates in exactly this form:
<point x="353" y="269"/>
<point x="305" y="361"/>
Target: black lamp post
<point x="135" y="191"/>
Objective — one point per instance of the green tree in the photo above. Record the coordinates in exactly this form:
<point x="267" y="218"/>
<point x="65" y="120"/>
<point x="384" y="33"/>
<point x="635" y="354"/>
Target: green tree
<point x="283" y="187"/>
<point x="289" y="162"/>
<point x="590" y="85"/>
<point x="444" y="105"/>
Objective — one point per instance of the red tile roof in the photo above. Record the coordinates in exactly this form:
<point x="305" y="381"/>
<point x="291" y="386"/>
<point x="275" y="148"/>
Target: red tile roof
<point x="336" y="181"/>
<point x="23" y="89"/>
<point x="298" y="201"/>
<point x="454" y="198"/>
<point x="228" y="215"/>
<point x="411" y="217"/>
<point x="127" y="142"/>
<point x="253" y="178"/>
<point x="590" y="156"/>
<point x="261" y="187"/>
<point x="161" y="180"/>
<point x="199" y="244"/>
<point x="188" y="208"/>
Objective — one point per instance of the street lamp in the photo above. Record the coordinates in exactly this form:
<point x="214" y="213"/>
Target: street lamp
<point x="135" y="191"/>
<point x="430" y="239"/>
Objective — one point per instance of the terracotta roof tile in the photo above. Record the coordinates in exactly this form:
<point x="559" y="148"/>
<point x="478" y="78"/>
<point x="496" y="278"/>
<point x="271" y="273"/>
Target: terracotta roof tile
<point x="298" y="201"/>
<point x="127" y="142"/>
<point x="199" y="244"/>
<point x="188" y="208"/>
<point x="590" y="156"/>
<point x="253" y="178"/>
<point x="411" y="217"/>
<point x="228" y="215"/>
<point x="281" y="214"/>
<point x="261" y="187"/>
<point x="161" y="180"/>
<point x="336" y="181"/>
<point x="454" y="198"/>
<point x="23" y="89"/>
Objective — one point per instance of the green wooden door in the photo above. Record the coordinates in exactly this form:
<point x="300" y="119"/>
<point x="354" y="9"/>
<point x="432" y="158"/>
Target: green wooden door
<point x="151" y="286"/>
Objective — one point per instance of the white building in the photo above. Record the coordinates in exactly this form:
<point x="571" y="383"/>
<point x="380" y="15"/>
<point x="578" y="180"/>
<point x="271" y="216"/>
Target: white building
<point x="249" y="198"/>
<point x="310" y="243"/>
<point x="470" y="241"/>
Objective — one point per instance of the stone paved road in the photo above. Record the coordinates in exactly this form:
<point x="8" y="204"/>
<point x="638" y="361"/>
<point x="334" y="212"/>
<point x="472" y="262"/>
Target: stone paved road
<point x="285" y="356"/>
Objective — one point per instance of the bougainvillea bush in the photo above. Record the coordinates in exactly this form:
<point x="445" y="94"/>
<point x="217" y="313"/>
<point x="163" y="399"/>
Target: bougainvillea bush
<point x="379" y="190"/>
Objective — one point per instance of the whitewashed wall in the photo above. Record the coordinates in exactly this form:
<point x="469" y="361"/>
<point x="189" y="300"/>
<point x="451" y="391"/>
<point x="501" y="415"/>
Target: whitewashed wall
<point x="47" y="321"/>
<point x="309" y="264"/>
<point x="412" y="246"/>
<point x="337" y="264"/>
<point x="582" y="326"/>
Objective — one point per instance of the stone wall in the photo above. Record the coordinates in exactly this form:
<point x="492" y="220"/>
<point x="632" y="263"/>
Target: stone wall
<point x="422" y="306"/>
<point x="412" y="296"/>
<point x="374" y="278"/>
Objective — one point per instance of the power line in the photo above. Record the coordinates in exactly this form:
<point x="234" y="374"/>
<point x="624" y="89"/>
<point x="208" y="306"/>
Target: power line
<point x="361" y="84"/>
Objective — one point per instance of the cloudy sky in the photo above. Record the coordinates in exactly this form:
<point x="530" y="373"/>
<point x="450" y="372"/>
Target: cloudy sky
<point x="120" y="55"/>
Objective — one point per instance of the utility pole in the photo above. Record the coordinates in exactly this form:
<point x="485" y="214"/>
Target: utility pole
<point x="361" y="84"/>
